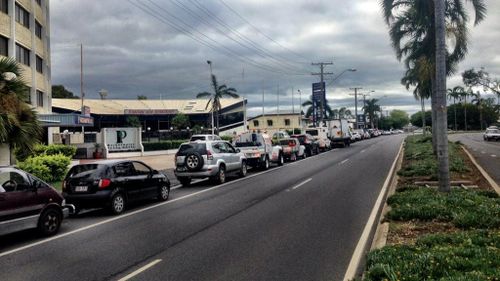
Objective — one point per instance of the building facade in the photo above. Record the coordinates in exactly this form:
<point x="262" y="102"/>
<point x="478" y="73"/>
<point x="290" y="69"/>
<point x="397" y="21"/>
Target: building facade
<point x="25" y="36"/>
<point x="276" y="122"/>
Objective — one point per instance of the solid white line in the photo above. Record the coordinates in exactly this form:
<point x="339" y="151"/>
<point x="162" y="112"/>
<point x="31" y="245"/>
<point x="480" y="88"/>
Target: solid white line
<point x="140" y="270"/>
<point x="302" y="183"/>
<point x="344" y="161"/>
<point x="360" y="247"/>
<point x="493" y="155"/>
<point x="362" y="151"/>
<point x="131" y="213"/>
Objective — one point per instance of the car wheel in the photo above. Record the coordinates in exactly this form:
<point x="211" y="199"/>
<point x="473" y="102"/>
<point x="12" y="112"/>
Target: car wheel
<point x="281" y="160"/>
<point x="220" y="178"/>
<point x="186" y="181"/>
<point x="193" y="161"/>
<point x="163" y="193"/>
<point x="293" y="157"/>
<point x="49" y="222"/>
<point x="117" y="204"/>
<point x="266" y="164"/>
<point x="243" y="169"/>
<point x="304" y="155"/>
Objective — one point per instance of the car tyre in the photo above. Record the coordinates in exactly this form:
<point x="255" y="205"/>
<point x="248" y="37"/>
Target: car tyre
<point x="281" y="159"/>
<point x="243" y="169"/>
<point x="220" y="178"/>
<point x="185" y="181"/>
<point x="163" y="192"/>
<point x="117" y="204"/>
<point x="293" y="157"/>
<point x="50" y="222"/>
<point x="193" y="161"/>
<point x="265" y="165"/>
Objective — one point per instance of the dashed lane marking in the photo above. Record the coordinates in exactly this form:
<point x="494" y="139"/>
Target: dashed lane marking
<point x="140" y="270"/>
<point x="301" y="184"/>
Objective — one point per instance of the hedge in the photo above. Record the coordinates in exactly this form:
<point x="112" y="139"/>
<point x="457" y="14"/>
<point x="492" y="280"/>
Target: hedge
<point x="165" y="145"/>
<point x="52" y="149"/>
<point x="49" y="168"/>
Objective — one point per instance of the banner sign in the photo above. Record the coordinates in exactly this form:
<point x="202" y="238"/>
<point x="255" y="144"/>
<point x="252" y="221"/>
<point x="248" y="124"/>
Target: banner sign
<point x="122" y="139"/>
<point x="319" y="98"/>
<point x="150" y="111"/>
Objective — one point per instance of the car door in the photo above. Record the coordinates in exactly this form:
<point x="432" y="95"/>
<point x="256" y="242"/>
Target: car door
<point x="124" y="173"/>
<point x="233" y="156"/>
<point x="17" y="198"/>
<point x="148" y="185"/>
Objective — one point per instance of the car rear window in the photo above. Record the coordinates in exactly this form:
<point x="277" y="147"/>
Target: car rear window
<point x="190" y="147"/>
<point x="302" y="138"/>
<point x="85" y="169"/>
<point x="312" y="132"/>
<point x="195" y="138"/>
<point x="493" y="131"/>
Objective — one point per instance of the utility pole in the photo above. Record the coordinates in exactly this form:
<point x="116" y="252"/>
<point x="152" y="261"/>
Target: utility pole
<point x="322" y="73"/>
<point x="210" y="64"/>
<point x="82" y="94"/>
<point x="356" y="104"/>
<point x="293" y="106"/>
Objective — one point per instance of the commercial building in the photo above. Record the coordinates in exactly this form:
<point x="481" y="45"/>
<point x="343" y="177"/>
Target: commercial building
<point x="154" y="115"/>
<point x="277" y="122"/>
<point x="25" y="35"/>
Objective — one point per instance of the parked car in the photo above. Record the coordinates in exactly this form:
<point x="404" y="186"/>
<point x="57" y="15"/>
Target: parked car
<point x="492" y="133"/>
<point x="28" y="202"/>
<point x="320" y="134"/>
<point x="280" y="135"/>
<point x="339" y="132"/>
<point x="204" y="137"/>
<point x="214" y="159"/>
<point x="356" y="136"/>
<point x="310" y="144"/>
<point x="292" y="149"/>
<point x="259" y="150"/>
<point x="113" y="184"/>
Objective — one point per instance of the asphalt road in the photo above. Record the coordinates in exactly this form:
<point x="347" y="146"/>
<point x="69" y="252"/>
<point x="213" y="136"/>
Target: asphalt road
<point x="486" y="153"/>
<point x="301" y="221"/>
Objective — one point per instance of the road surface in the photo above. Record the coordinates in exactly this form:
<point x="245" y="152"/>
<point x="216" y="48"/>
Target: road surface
<point x="301" y="221"/>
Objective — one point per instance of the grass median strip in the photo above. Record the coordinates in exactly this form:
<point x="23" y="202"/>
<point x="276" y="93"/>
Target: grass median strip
<point x="434" y="235"/>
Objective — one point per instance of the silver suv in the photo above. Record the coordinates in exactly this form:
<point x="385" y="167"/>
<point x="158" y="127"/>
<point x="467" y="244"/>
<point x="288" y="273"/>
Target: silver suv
<point x="214" y="159"/>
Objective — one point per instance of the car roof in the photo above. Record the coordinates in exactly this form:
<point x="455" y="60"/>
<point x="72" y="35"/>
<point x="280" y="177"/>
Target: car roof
<point x="110" y="162"/>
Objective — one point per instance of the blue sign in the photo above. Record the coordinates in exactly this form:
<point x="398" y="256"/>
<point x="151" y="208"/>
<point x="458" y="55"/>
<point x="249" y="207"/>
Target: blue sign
<point x="318" y="98"/>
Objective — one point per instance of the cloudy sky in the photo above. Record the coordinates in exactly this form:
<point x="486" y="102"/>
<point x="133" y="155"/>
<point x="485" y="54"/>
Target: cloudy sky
<point x="160" y="48"/>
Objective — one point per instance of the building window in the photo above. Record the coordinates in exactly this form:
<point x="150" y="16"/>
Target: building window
<point x="28" y="97"/>
<point x="4" y="6"/>
<point x="22" y="16"/>
<point x="4" y="46"/>
<point x="256" y="123"/>
<point x="22" y="55"/>
<point x="39" y="2"/>
<point x="39" y="98"/>
<point x="269" y="123"/>
<point x="39" y="64"/>
<point x="38" y="29"/>
<point x="287" y="122"/>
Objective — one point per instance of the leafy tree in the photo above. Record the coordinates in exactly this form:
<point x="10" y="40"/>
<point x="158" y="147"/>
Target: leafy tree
<point x="59" y="92"/>
<point x="416" y="119"/>
<point x="133" y="121"/>
<point x="399" y="118"/>
<point x="19" y="126"/>
<point x="180" y="121"/>
<point x="142" y="97"/>
<point x="219" y="92"/>
<point x="328" y="112"/>
<point x="371" y="108"/>
<point x="481" y="78"/>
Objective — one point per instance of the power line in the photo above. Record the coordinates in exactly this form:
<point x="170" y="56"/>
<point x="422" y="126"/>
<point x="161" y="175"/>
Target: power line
<point x="258" y="30"/>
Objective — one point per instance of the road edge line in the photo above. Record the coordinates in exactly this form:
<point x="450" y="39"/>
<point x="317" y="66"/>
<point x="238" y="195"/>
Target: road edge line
<point x="140" y="270"/>
<point x="360" y="249"/>
<point x="485" y="174"/>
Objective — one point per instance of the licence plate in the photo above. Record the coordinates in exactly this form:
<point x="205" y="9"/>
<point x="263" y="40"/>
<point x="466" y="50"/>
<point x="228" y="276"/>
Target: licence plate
<point x="81" y="188"/>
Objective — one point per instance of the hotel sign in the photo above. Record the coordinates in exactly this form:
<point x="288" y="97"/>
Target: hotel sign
<point x="150" y="111"/>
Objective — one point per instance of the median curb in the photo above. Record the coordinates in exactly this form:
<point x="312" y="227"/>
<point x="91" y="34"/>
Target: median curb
<point x="370" y="231"/>
<point x="485" y="174"/>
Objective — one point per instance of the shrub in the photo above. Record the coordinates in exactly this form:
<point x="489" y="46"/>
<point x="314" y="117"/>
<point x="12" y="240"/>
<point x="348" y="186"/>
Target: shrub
<point x="49" y="168"/>
<point x="52" y="149"/>
<point x="227" y="138"/>
<point x="164" y="145"/>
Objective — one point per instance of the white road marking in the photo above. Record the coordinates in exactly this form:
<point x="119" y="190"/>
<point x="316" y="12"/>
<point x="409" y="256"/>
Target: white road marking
<point x="344" y="161"/>
<point x="302" y="183"/>
<point x="483" y="152"/>
<point x="359" y="251"/>
<point x="362" y="151"/>
<point x="493" y="155"/>
<point x="135" y="212"/>
<point x="140" y="270"/>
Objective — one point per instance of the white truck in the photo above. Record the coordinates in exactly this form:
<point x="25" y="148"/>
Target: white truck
<point x="259" y="150"/>
<point x="339" y="132"/>
<point x="321" y="134"/>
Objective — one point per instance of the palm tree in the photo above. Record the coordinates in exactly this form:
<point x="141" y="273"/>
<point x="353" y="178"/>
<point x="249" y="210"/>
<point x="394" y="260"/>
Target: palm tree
<point x="479" y="103"/>
<point x="220" y="91"/>
<point x="371" y="108"/>
<point x="455" y="93"/>
<point x="19" y="126"/>
<point x="464" y="95"/>
<point x="344" y="113"/>
<point x="329" y="113"/>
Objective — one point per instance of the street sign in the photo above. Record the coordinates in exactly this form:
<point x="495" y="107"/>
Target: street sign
<point x="318" y="98"/>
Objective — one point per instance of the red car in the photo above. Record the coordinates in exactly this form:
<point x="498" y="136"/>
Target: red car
<point x="28" y="202"/>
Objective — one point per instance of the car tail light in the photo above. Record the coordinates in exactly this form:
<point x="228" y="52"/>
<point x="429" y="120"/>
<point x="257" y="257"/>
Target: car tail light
<point x="292" y="144"/>
<point x="103" y="183"/>
<point x="209" y="155"/>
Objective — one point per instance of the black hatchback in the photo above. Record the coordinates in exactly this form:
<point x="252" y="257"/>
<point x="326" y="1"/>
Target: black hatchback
<point x="113" y="184"/>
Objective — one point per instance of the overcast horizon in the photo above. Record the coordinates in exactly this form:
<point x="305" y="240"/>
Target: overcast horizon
<point x="160" y="49"/>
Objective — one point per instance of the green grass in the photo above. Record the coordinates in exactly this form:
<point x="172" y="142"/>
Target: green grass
<point x="463" y="208"/>
<point x="463" y="256"/>
<point x="422" y="162"/>
<point x="57" y="185"/>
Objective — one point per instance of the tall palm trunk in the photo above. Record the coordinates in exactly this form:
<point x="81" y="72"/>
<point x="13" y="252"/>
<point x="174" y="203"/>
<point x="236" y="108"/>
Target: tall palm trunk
<point x="441" y="115"/>
<point x="433" y="113"/>
<point x="465" y="113"/>
<point x="455" y="109"/>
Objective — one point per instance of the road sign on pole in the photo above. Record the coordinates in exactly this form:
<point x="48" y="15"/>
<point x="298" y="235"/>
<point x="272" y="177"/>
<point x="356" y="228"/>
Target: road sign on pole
<point x="319" y="98"/>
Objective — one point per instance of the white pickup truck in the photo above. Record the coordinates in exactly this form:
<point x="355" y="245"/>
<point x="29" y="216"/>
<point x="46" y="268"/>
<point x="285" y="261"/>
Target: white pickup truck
<point x="259" y="150"/>
<point x="321" y="135"/>
<point x="339" y="132"/>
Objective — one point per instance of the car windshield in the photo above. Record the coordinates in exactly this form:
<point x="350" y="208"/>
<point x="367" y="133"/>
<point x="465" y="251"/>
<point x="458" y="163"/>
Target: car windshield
<point x="493" y="131"/>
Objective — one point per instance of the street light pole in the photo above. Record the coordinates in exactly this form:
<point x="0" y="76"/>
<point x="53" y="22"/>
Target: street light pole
<point x="210" y="64"/>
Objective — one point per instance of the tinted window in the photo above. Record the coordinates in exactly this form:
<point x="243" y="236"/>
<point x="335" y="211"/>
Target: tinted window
<point x="141" y="169"/>
<point x="195" y="138"/>
<point x="189" y="147"/>
<point x="123" y="169"/>
<point x="11" y="181"/>
<point x="312" y="132"/>
<point x="218" y="148"/>
<point x="230" y="148"/>
<point x="4" y="48"/>
<point x="86" y="169"/>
